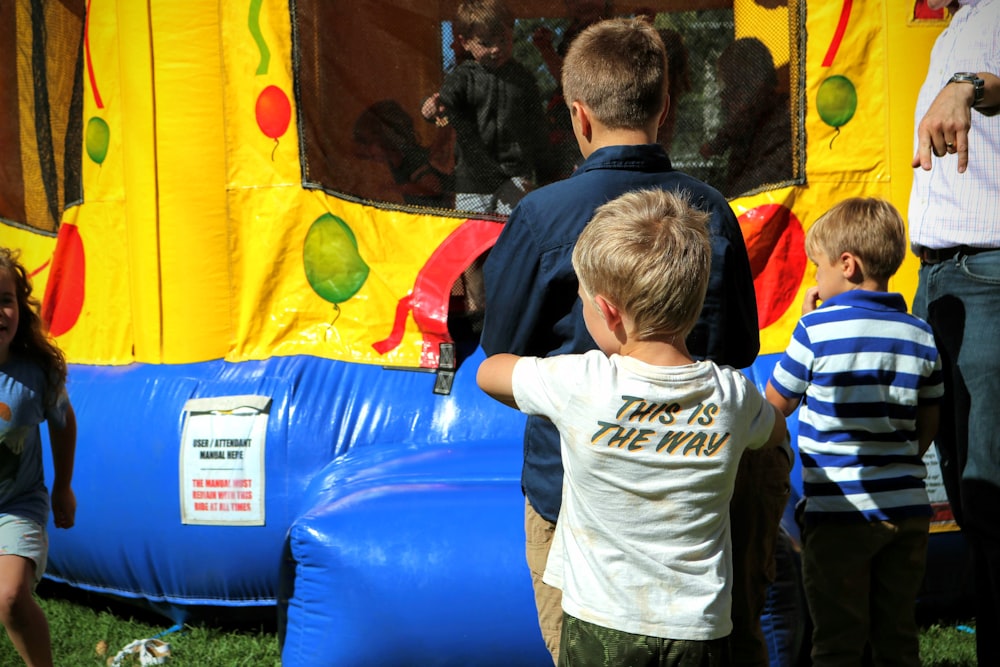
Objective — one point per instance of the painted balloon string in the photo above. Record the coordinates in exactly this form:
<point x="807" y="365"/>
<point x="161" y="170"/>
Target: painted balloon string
<point x="836" y="134"/>
<point x="330" y="330"/>
<point x="40" y="269"/>
<point x="274" y="149"/>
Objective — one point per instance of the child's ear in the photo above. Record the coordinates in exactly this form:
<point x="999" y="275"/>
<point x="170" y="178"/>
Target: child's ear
<point x="609" y="311"/>
<point x="850" y="267"/>
<point x="663" y="114"/>
<point x="580" y="115"/>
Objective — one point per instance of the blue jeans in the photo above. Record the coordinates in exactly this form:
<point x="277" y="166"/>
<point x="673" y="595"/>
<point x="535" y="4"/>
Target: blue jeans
<point x="960" y="298"/>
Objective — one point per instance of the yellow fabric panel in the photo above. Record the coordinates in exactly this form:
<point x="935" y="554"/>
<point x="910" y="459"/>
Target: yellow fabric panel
<point x="127" y="90"/>
<point x="36" y="251"/>
<point x="857" y="152"/>
<point x="190" y="172"/>
<point x="280" y="313"/>
<point x="103" y="333"/>
<point x="254" y="159"/>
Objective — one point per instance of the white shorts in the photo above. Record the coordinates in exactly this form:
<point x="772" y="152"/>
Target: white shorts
<point x="25" y="538"/>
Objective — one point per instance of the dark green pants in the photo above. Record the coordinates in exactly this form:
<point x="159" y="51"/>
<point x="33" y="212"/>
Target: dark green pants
<point x="584" y="644"/>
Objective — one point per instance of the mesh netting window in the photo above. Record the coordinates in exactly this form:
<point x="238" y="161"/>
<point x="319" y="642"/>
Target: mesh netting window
<point x="376" y="79"/>
<point x="41" y="102"/>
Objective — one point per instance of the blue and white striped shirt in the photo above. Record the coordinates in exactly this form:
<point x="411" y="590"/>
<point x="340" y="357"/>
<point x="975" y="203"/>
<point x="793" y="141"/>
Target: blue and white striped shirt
<point x="863" y="366"/>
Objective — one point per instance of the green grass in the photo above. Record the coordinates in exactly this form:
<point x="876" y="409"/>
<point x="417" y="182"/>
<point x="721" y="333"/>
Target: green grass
<point x="79" y="621"/>
<point x="948" y="646"/>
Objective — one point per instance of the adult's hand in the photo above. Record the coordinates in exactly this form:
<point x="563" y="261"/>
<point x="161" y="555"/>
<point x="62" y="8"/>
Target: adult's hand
<point x="945" y="127"/>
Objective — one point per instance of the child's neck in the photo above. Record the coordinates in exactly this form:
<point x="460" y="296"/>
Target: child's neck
<point x="603" y="137"/>
<point x="875" y="285"/>
<point x="658" y="352"/>
<point x="869" y="285"/>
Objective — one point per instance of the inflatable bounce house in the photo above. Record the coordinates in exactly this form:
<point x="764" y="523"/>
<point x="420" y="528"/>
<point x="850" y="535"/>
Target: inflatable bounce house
<point x="248" y="246"/>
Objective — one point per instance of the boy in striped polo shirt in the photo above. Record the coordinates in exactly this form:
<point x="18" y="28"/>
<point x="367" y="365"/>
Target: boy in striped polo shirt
<point x="869" y="379"/>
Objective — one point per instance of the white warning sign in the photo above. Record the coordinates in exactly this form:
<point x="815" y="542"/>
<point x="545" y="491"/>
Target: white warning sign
<point x="222" y="460"/>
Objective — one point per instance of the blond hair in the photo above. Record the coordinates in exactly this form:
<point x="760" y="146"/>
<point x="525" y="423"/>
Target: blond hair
<point x="31" y="340"/>
<point x="482" y="19"/>
<point x="648" y="253"/>
<point x="871" y="229"/>
<point x="618" y="68"/>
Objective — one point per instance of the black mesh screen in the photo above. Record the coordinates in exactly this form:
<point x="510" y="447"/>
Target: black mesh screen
<point x="366" y="68"/>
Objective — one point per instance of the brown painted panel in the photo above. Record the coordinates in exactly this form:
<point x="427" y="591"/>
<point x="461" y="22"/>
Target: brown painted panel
<point x="11" y="178"/>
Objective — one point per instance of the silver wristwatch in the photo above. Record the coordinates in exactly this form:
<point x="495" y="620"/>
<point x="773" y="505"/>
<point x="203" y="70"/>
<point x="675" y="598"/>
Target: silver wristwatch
<point x="978" y="85"/>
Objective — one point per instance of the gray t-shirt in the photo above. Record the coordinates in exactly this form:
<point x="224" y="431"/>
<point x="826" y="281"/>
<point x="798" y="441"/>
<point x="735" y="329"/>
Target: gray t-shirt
<point x="22" y="410"/>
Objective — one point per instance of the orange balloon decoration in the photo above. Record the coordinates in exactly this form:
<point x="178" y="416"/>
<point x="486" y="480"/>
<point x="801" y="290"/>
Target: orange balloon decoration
<point x="273" y="111"/>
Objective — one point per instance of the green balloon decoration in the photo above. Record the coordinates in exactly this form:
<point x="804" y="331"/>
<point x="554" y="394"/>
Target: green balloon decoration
<point x="836" y="101"/>
<point x="334" y="267"/>
<point x="97" y="138"/>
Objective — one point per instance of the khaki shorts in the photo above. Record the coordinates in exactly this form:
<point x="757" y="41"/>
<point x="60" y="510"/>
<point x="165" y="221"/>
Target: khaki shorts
<point x="538" y="535"/>
<point x="25" y="538"/>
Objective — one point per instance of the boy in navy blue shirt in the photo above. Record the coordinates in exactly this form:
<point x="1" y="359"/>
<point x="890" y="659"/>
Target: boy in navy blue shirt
<point x="532" y="307"/>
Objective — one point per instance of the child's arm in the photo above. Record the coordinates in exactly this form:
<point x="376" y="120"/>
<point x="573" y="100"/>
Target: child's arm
<point x="784" y="405"/>
<point x="495" y="375"/>
<point x="928" y="419"/>
<point x="63" y="442"/>
<point x="779" y="430"/>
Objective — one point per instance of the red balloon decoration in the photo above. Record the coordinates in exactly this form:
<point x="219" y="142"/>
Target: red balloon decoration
<point x="776" y="245"/>
<point x="273" y="111"/>
<point x="64" y="291"/>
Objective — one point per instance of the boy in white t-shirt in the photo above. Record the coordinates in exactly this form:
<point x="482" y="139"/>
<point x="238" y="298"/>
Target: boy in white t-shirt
<point x="651" y="440"/>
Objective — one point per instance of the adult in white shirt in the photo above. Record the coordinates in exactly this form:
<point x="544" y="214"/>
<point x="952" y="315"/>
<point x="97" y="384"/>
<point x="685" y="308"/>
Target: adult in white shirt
<point x="954" y="221"/>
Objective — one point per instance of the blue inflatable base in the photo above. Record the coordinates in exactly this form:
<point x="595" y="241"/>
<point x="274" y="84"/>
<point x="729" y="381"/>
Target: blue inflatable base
<point x="416" y="558"/>
<point x="393" y="529"/>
